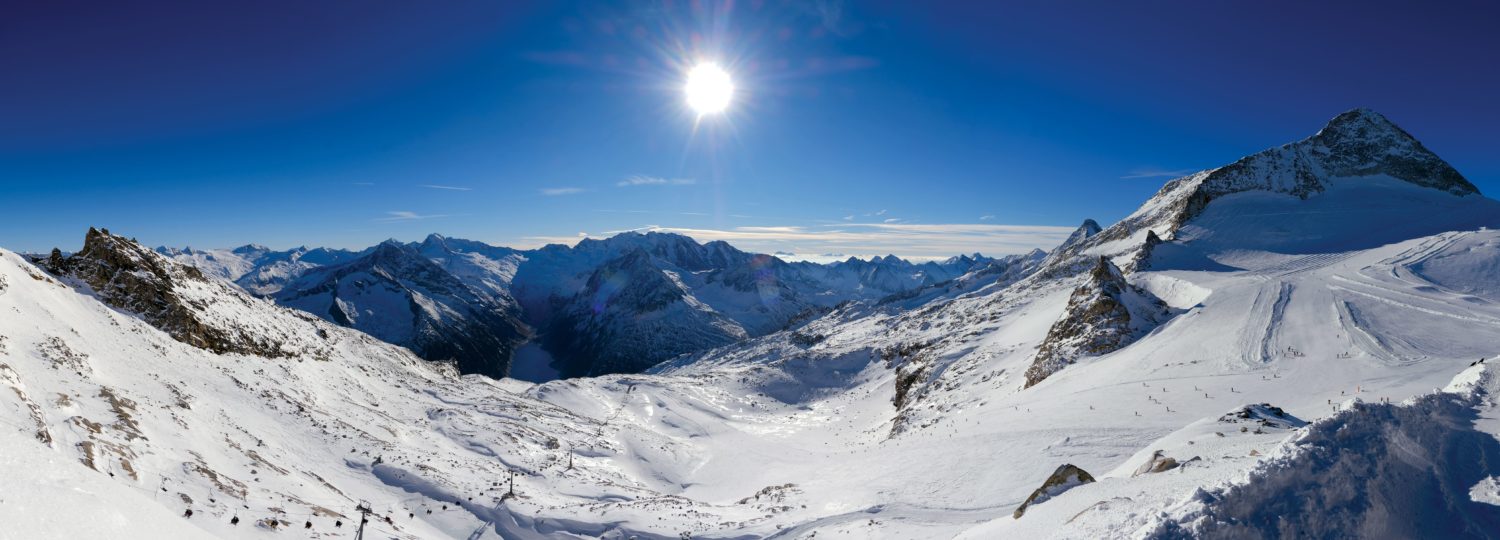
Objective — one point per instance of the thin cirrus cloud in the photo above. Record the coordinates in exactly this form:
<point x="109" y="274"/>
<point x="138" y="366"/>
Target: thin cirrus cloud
<point x="1154" y="172"/>
<point x="644" y="180"/>
<point x="406" y="215"/>
<point x="918" y="241"/>
<point x="448" y="188"/>
<point x="554" y="192"/>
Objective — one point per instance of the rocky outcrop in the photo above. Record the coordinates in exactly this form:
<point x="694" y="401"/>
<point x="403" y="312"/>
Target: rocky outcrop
<point x="1263" y="415"/>
<point x="1103" y="315"/>
<point x="1063" y="479"/>
<point x="133" y="278"/>
<point x="1142" y="259"/>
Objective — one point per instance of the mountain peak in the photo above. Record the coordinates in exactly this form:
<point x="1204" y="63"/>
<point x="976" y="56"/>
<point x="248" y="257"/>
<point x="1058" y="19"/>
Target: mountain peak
<point x="1360" y="115"/>
<point x="1085" y="231"/>
<point x="391" y="250"/>
<point x="250" y="248"/>
<point x="1362" y="142"/>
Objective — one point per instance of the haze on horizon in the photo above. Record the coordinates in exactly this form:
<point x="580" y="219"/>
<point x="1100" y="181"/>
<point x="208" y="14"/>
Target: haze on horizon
<point x="853" y="128"/>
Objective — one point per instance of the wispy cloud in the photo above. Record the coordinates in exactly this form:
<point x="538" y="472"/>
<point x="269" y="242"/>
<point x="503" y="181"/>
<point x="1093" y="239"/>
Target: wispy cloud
<point x="554" y="192"/>
<point x="769" y="229"/>
<point x="643" y="180"/>
<point x="531" y="242"/>
<point x="449" y="188"/>
<point x="1155" y="172"/>
<point x="892" y="220"/>
<point x="406" y="215"/>
<point x="987" y="218"/>
<point x="924" y="241"/>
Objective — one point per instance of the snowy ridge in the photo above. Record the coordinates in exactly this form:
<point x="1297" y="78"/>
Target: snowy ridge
<point x="1355" y="145"/>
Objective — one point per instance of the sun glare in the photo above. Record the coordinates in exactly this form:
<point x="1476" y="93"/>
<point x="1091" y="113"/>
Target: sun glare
<point x="708" y="88"/>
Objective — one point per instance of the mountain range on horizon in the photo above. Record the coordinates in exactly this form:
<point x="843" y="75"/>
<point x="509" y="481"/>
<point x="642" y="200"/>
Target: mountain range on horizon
<point x="1154" y="378"/>
<point x="477" y="304"/>
<point x="577" y="310"/>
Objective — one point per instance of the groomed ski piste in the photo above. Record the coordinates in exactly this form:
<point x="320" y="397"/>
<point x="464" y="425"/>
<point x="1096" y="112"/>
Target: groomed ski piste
<point x="1318" y="375"/>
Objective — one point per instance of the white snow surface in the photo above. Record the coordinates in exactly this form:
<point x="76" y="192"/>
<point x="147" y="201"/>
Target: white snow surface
<point x="767" y="438"/>
<point x="1347" y="310"/>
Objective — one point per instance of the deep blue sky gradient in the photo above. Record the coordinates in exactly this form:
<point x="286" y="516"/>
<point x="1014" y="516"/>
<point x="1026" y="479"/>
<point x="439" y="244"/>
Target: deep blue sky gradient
<point x="214" y="124"/>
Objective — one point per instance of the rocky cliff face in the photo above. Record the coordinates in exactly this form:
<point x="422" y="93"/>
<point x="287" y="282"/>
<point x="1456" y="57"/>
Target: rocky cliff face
<point x="177" y="299"/>
<point x="1103" y="315"/>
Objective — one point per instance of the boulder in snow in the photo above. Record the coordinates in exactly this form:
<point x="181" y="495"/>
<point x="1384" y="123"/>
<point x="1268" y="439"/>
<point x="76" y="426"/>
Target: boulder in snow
<point x="1264" y="414"/>
<point x="1063" y="479"/>
<point x="1158" y="463"/>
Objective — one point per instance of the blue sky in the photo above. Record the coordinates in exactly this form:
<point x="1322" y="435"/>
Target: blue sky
<point x="857" y="128"/>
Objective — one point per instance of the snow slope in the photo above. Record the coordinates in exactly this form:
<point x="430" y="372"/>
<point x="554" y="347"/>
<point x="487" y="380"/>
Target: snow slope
<point x="47" y="495"/>
<point x="907" y="419"/>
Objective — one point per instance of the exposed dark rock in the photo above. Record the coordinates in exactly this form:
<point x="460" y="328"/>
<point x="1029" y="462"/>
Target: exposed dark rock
<point x="1087" y="230"/>
<point x="1142" y="259"/>
<point x="1098" y="320"/>
<point x="1063" y="479"/>
<point x="130" y="277"/>
<point x="1265" y="415"/>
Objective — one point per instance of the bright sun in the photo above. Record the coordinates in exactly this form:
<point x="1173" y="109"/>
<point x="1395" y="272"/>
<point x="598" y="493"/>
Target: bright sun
<point x="708" y="88"/>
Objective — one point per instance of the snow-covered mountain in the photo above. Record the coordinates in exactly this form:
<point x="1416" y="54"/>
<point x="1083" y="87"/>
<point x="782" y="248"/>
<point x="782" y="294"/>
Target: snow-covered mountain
<point x="257" y="268"/>
<point x="399" y="296"/>
<point x="912" y="417"/>
<point x="548" y="291"/>
<point x="631" y="315"/>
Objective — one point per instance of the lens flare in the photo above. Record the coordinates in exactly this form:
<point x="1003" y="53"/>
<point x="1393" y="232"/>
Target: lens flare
<point x="709" y="88"/>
